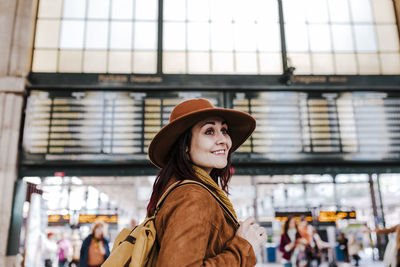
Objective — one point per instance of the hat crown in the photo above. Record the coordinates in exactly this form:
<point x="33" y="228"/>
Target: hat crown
<point x="189" y="106"/>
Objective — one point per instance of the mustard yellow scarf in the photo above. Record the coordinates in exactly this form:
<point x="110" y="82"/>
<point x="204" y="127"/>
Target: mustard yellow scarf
<point x="206" y="178"/>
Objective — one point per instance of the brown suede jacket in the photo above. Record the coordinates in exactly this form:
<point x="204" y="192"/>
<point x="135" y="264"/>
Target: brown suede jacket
<point x="192" y="230"/>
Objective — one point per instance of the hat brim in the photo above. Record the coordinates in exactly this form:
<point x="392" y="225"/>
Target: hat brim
<point x="241" y="126"/>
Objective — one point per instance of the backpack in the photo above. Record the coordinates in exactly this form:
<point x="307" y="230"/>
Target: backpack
<point x="138" y="247"/>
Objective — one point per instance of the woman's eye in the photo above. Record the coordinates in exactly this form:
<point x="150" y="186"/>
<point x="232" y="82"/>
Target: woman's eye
<point x="209" y="131"/>
<point x="225" y="131"/>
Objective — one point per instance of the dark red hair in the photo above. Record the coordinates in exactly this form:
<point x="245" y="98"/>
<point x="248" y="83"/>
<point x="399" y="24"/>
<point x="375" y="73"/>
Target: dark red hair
<point x="180" y="167"/>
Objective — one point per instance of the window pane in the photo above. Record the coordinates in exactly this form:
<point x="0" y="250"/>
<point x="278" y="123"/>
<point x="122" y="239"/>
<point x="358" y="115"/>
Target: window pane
<point x="383" y="11"/>
<point x="222" y="62"/>
<point x="390" y="63"/>
<point x="342" y="38"/>
<point x="99" y="9"/>
<point x="198" y="36"/>
<point x="199" y="62"/>
<point x="174" y="62"/>
<point x="198" y="10"/>
<point x="72" y="34"/>
<point x="296" y="37"/>
<point x="245" y="37"/>
<point x="368" y="63"/>
<point x="301" y="61"/>
<point x="345" y="64"/>
<point x="270" y="63"/>
<point x="44" y="61"/>
<point x="95" y="61"/>
<point x="294" y="11"/>
<point x="70" y="61"/>
<point x="361" y="11"/>
<point x="174" y="10"/>
<point x="365" y="38"/>
<point x="119" y="62"/>
<point x="314" y="16"/>
<point x="145" y="35"/>
<point x="268" y="37"/>
<point x="121" y="35"/>
<point x="322" y="63"/>
<point x="122" y="9"/>
<point x="47" y="33"/>
<point x="74" y="9"/>
<point x="221" y="10"/>
<point x="221" y="36"/>
<point x="50" y="8"/>
<point x="388" y="39"/>
<point x="174" y="36"/>
<point x="97" y="35"/>
<point x="320" y="38"/>
<point x="146" y="9"/>
<point x="339" y="11"/>
<point x="246" y="63"/>
<point x="144" y="62"/>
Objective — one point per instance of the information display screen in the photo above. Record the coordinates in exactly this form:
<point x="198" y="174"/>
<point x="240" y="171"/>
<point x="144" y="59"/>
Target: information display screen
<point x="292" y="127"/>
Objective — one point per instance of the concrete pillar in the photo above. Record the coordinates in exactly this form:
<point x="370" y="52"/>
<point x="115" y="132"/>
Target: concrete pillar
<point x="16" y="39"/>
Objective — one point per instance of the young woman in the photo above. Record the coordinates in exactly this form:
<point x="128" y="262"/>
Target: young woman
<point x="94" y="250"/>
<point x="290" y="243"/>
<point x="192" y="229"/>
<point x="392" y="251"/>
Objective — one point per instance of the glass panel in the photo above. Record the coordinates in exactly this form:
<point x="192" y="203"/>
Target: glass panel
<point x="322" y="63"/>
<point x="222" y="37"/>
<point x="368" y="63"/>
<point x="198" y="62"/>
<point x="145" y="35"/>
<point x="70" y="61"/>
<point x="198" y="36"/>
<point x="320" y="38"/>
<point x="174" y="62"/>
<point x="388" y="39"/>
<point x="97" y="35"/>
<point x="119" y="62"/>
<point x="50" y="8"/>
<point x="390" y="189"/>
<point x="345" y="64"/>
<point x="144" y="62"/>
<point x="245" y="36"/>
<point x="294" y="11"/>
<point x="320" y="194"/>
<point x="72" y="34"/>
<point x="222" y="62"/>
<point x="95" y="61"/>
<point x="74" y="9"/>
<point x="174" y="10"/>
<point x="365" y="38"/>
<point x="121" y="35"/>
<point x="122" y="9"/>
<point x="47" y="33"/>
<point x="314" y="16"/>
<point x="268" y="37"/>
<point x="174" y="36"/>
<point x="342" y="38"/>
<point x="198" y="10"/>
<point x="221" y="10"/>
<point x="267" y="11"/>
<point x="339" y="11"/>
<point x="246" y="63"/>
<point x="383" y="11"/>
<point x="270" y="63"/>
<point x="99" y="9"/>
<point x="301" y="61"/>
<point x="296" y="37"/>
<point x="44" y="61"/>
<point x="390" y="63"/>
<point x="361" y="11"/>
<point x="146" y="9"/>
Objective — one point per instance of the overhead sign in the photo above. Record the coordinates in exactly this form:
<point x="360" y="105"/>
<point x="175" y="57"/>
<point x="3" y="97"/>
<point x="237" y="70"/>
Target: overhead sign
<point x="333" y="216"/>
<point x="58" y="219"/>
<point x="91" y="218"/>
<point x="283" y="215"/>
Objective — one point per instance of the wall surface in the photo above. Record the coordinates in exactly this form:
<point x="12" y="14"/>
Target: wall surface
<point x="15" y="45"/>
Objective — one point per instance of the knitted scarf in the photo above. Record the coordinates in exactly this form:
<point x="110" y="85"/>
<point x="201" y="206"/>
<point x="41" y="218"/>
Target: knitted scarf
<point x="206" y="178"/>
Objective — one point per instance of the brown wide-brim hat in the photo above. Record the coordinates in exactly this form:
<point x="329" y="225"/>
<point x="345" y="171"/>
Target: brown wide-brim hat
<point x="185" y="115"/>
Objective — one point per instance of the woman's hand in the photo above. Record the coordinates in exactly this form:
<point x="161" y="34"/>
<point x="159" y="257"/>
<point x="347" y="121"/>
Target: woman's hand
<point x="252" y="232"/>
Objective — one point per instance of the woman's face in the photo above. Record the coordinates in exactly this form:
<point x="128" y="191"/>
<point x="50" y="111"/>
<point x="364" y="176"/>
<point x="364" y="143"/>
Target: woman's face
<point x="292" y="223"/>
<point x="210" y="144"/>
<point x="98" y="232"/>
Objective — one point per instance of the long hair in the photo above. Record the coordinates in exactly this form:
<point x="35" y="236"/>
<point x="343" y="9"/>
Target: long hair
<point x="180" y="167"/>
<point x="286" y="225"/>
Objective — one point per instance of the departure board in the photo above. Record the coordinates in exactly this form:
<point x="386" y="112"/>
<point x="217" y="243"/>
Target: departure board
<point x="93" y="126"/>
<point x="292" y="127"/>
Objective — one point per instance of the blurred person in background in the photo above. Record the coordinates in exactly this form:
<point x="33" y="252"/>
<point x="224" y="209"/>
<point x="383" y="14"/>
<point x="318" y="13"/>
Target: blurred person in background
<point x="94" y="250"/>
<point x="343" y="246"/>
<point x="64" y="250"/>
<point x="291" y="243"/>
<point x="50" y="250"/>
<point x="354" y="248"/>
<point x="76" y="248"/>
<point x="391" y="257"/>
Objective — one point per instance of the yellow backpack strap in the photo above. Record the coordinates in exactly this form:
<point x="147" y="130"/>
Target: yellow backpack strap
<point x="185" y="182"/>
